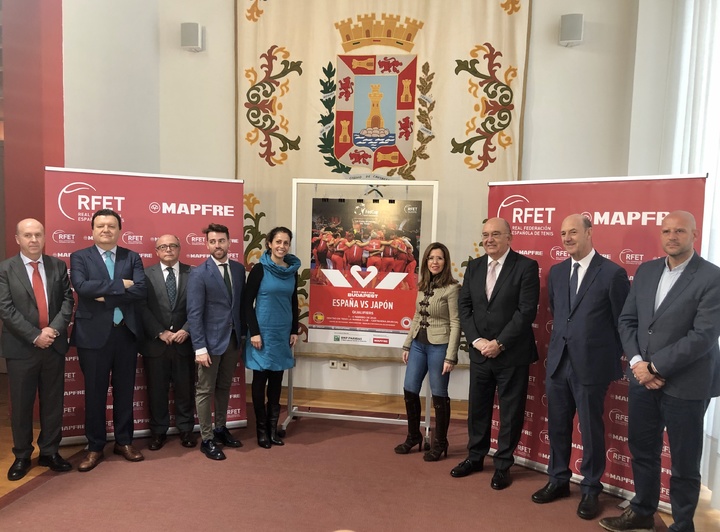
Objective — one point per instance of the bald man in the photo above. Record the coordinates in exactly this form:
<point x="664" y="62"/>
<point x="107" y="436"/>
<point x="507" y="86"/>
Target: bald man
<point x="586" y="293"/>
<point x="669" y="329"/>
<point x="36" y="304"/>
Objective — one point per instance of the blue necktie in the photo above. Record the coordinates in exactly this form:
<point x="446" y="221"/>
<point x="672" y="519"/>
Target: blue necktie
<point x="110" y="265"/>
<point x="171" y="285"/>
<point x="574" y="284"/>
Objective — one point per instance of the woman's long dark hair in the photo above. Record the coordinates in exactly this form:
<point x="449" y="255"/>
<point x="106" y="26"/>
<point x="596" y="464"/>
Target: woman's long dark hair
<point x="444" y="278"/>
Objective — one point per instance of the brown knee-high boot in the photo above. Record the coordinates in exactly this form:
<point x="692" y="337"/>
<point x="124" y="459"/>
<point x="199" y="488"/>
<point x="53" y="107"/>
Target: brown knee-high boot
<point x="442" y="421"/>
<point x="414" y="436"/>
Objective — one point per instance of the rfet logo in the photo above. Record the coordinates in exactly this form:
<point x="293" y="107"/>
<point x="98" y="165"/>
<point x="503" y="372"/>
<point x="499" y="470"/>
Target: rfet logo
<point x="628" y="256"/>
<point x="614" y="456"/>
<point x="73" y="198"/>
<point x="558" y="253"/>
<point x="132" y="239"/>
<point x="618" y="417"/>
<point x="544" y="436"/>
<point x="61" y="237"/>
<point x="522" y="213"/>
<point x="195" y="240"/>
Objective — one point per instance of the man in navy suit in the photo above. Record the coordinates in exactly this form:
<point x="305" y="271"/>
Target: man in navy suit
<point x="36" y="305"/>
<point x="498" y="303"/>
<point x="110" y="282"/>
<point x="669" y="328"/>
<point x="586" y="293"/>
<point x="214" y="299"/>
<point x="166" y="349"/>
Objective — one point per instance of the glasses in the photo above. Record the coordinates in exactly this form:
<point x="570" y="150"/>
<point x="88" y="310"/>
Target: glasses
<point x="165" y="247"/>
<point x="494" y="234"/>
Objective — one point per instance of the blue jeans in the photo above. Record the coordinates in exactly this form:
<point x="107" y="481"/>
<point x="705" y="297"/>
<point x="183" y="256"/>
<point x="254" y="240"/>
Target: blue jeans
<point x="427" y="359"/>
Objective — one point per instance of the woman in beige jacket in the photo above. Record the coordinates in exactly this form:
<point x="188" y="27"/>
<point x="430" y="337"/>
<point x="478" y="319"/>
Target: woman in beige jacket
<point x="431" y="348"/>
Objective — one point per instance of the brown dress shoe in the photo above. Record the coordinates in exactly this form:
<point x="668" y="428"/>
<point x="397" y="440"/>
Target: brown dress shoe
<point x="130" y="453"/>
<point x="90" y="461"/>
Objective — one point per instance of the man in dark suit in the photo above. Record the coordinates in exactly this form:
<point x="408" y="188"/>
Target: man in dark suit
<point x="36" y="304"/>
<point x="215" y="291"/>
<point x="166" y="349"/>
<point x="669" y="328"/>
<point x="110" y="282"/>
<point x="586" y="293"/>
<point x="498" y="302"/>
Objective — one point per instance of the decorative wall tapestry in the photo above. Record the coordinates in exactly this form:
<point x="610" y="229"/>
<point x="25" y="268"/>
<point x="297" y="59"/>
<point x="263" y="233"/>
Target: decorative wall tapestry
<point x="400" y="90"/>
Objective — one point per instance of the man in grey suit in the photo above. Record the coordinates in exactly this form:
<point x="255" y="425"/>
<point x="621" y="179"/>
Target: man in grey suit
<point x="36" y="304"/>
<point x="166" y="349"/>
<point x="214" y="295"/>
<point x="586" y="293"/>
<point x="669" y="328"/>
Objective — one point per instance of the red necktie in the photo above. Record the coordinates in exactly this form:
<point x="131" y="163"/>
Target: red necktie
<point x="39" y="291"/>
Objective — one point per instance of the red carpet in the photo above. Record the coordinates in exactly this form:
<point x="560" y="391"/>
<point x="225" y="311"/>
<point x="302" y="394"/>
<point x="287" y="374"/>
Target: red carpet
<point x="331" y="475"/>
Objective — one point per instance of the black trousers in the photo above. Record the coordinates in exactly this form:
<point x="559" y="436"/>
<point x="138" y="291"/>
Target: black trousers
<point x="114" y="363"/>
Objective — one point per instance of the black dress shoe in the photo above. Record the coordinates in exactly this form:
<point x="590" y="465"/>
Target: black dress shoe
<point x="628" y="521"/>
<point x="157" y="442"/>
<point x="55" y="462"/>
<point x="212" y="451"/>
<point x="465" y="468"/>
<point x="588" y="507"/>
<point x="223" y="437"/>
<point x="19" y="469"/>
<point x="501" y="479"/>
<point x="550" y="492"/>
<point x="188" y="439"/>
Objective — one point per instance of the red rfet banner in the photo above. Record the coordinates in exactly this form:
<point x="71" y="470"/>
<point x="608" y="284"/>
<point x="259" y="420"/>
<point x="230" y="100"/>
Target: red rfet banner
<point x="626" y="214"/>
<point x="150" y="206"/>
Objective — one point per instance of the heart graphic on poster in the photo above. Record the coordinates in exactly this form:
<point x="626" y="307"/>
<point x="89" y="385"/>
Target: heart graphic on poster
<point x="371" y="272"/>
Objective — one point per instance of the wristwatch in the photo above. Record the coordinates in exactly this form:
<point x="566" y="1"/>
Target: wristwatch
<point x="500" y="346"/>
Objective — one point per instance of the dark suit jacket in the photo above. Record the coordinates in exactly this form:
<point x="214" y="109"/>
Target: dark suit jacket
<point x="589" y="328"/>
<point x="19" y="311"/>
<point x="681" y="337"/>
<point x="157" y="314"/>
<point x="89" y="276"/>
<point x="212" y="314"/>
<point x="508" y="315"/>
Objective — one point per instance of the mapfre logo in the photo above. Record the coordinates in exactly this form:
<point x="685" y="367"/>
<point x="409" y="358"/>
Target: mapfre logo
<point x="628" y="256"/>
<point x="61" y="237"/>
<point x="132" y="239"/>
<point x="74" y="199"/>
<point x="627" y="218"/>
<point x="521" y="213"/>
<point x="194" y="239"/>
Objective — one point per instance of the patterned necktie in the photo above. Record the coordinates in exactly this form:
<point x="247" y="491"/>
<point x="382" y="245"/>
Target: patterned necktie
<point x="171" y="285"/>
<point x="226" y="277"/>
<point x="39" y="291"/>
<point x="110" y="265"/>
<point x="574" y="284"/>
<point x="490" y="279"/>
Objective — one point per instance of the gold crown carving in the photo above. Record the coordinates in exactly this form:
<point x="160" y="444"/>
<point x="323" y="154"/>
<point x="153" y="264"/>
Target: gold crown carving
<point x="369" y="31"/>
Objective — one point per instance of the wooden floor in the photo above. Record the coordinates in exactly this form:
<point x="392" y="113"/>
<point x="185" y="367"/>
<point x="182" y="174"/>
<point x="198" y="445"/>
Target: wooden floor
<point x="706" y="519"/>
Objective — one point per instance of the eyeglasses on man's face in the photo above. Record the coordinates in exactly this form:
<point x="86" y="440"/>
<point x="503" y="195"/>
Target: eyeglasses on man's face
<point x="165" y="247"/>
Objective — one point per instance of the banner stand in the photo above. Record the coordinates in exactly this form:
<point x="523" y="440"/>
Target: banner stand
<point x="371" y="184"/>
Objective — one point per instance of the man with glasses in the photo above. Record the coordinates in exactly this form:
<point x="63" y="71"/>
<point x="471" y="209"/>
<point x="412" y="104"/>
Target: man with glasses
<point x="215" y="291"/>
<point x="167" y="349"/>
<point x="498" y="302"/>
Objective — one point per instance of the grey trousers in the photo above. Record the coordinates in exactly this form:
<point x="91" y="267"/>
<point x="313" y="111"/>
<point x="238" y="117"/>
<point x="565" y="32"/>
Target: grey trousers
<point x="214" y="382"/>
